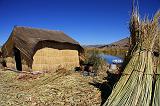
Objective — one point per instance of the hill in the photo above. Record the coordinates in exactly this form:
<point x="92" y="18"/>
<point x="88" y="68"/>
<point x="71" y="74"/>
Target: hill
<point x="123" y="43"/>
<point x="93" y="46"/>
<point x="118" y="48"/>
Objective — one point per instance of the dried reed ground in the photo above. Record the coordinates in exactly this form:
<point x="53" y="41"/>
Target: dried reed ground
<point x="50" y="89"/>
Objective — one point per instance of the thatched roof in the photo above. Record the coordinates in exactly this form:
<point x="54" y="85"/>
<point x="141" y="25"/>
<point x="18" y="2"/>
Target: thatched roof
<point x="26" y="39"/>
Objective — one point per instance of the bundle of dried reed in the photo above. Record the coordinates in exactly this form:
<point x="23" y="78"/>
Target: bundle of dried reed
<point x="50" y="59"/>
<point x="135" y="85"/>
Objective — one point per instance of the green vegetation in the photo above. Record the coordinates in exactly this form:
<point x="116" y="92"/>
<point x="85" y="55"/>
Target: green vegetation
<point x="119" y="52"/>
<point x="116" y="52"/>
<point x="93" y="57"/>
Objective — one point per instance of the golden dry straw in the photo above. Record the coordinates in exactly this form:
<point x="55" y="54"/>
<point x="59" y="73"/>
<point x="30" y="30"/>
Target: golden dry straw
<point x="49" y="58"/>
<point x="135" y="85"/>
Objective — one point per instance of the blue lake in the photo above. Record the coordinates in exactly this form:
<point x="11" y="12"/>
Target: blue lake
<point x="110" y="58"/>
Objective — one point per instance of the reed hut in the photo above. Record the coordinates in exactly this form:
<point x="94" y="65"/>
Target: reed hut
<point x="39" y="49"/>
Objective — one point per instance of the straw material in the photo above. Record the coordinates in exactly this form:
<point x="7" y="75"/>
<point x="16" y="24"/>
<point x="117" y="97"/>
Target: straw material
<point x="10" y="62"/>
<point x="29" y="40"/>
<point x="48" y="59"/>
<point x="135" y="85"/>
<point x="129" y="90"/>
<point x="156" y="98"/>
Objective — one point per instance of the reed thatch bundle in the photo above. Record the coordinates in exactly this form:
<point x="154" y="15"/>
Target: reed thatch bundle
<point x="51" y="59"/>
<point x="135" y="85"/>
<point x="156" y="98"/>
<point x="10" y="62"/>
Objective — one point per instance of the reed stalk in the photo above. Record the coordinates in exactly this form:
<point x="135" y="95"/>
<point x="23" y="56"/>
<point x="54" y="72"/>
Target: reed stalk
<point x="156" y="98"/>
<point x="135" y="86"/>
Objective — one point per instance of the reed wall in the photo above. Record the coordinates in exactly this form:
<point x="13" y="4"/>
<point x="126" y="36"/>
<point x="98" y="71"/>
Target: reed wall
<point x="10" y="62"/>
<point x="48" y="59"/>
<point x="51" y="59"/>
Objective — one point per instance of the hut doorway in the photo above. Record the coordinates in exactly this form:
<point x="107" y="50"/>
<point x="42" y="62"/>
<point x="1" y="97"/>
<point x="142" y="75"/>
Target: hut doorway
<point x="17" y="55"/>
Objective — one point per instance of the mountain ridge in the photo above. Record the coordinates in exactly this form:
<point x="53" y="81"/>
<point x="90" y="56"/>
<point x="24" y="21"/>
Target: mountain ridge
<point x="120" y="43"/>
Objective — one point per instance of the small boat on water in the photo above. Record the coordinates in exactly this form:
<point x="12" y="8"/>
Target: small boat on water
<point x="117" y="61"/>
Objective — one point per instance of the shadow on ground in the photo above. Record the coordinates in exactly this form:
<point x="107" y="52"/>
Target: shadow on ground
<point x="107" y="86"/>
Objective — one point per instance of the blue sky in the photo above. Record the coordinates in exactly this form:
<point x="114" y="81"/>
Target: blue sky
<point x="87" y="21"/>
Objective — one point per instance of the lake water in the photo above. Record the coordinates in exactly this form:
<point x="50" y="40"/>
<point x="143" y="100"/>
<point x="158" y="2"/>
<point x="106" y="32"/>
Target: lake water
<point x="110" y="58"/>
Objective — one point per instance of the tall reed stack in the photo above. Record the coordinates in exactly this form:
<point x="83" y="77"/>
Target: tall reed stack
<point x="156" y="98"/>
<point x="137" y="83"/>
